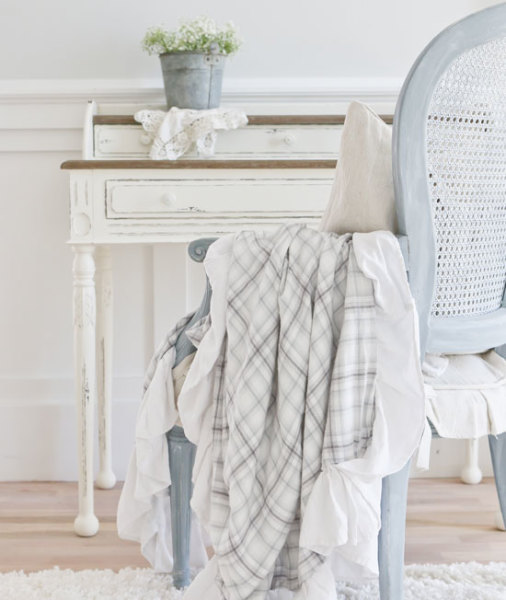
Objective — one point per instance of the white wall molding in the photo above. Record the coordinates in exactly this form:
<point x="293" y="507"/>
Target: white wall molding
<point x="44" y="115"/>
<point x="35" y="91"/>
<point x="318" y="89"/>
<point x="41" y="140"/>
<point x="235" y="90"/>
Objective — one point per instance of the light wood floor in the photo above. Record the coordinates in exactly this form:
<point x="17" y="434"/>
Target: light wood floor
<point x="447" y="522"/>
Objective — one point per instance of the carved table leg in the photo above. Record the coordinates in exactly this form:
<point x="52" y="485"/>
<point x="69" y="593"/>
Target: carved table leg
<point x="103" y="282"/>
<point x="471" y="473"/>
<point x="86" y="523"/>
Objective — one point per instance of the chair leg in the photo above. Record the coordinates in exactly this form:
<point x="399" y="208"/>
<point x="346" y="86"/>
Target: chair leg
<point x="392" y="534"/>
<point x="498" y="454"/>
<point x="181" y="458"/>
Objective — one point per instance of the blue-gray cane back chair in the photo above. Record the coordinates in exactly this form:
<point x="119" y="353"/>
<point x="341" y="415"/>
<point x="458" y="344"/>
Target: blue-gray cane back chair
<point x="449" y="168"/>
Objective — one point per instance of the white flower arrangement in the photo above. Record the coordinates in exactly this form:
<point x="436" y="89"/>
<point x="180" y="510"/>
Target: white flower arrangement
<point x="198" y="35"/>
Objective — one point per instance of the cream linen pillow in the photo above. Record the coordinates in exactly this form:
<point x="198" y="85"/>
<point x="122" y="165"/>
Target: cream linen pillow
<point x="362" y="197"/>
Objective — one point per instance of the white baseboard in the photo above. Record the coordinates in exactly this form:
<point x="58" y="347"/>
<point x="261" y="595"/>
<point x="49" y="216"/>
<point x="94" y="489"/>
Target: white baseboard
<point x="39" y="436"/>
<point x="447" y="459"/>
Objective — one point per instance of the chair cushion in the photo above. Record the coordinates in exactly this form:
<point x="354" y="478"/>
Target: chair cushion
<point x="362" y="197"/>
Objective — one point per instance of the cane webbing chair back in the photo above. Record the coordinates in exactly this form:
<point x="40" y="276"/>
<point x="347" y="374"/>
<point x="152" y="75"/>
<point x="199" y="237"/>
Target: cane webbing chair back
<point x="449" y="163"/>
<point x="466" y="163"/>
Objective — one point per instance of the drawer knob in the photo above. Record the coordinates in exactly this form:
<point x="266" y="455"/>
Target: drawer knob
<point x="289" y="139"/>
<point x="145" y="139"/>
<point x="168" y="199"/>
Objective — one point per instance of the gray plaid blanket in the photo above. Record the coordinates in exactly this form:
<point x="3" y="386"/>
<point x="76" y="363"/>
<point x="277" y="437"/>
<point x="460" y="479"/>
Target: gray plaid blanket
<point x="295" y="391"/>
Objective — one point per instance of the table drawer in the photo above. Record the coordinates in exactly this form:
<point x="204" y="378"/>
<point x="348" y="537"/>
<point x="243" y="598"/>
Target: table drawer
<point x="295" y="141"/>
<point x="121" y="141"/>
<point x="173" y="199"/>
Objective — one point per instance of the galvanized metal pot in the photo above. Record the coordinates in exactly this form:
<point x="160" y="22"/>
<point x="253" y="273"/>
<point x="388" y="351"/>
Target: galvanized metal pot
<point x="192" y="79"/>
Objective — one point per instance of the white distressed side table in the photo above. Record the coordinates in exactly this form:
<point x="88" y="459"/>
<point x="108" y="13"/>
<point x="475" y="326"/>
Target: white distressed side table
<point x="276" y="170"/>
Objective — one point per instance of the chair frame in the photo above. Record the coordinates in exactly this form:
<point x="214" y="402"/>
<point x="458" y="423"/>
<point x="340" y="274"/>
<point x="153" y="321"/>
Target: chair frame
<point x="180" y="450"/>
<point x="464" y="334"/>
<point x="459" y="334"/>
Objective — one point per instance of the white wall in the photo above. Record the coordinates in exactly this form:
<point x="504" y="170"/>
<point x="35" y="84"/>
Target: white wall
<point x="54" y="55"/>
<point x="283" y="38"/>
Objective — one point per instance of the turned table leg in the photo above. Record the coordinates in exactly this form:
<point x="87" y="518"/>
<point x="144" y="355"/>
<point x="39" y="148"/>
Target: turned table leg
<point x="104" y="294"/>
<point x="86" y="523"/>
<point x="471" y="473"/>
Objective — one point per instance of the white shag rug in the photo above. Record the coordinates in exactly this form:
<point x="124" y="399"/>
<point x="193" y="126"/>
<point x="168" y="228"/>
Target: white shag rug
<point x="461" y="581"/>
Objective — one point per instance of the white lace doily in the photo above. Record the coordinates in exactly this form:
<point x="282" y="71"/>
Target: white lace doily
<point x="176" y="132"/>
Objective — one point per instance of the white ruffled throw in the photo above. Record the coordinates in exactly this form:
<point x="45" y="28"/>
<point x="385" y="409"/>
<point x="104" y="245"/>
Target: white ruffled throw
<point x="178" y="131"/>
<point x="298" y="399"/>
<point x="306" y="373"/>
